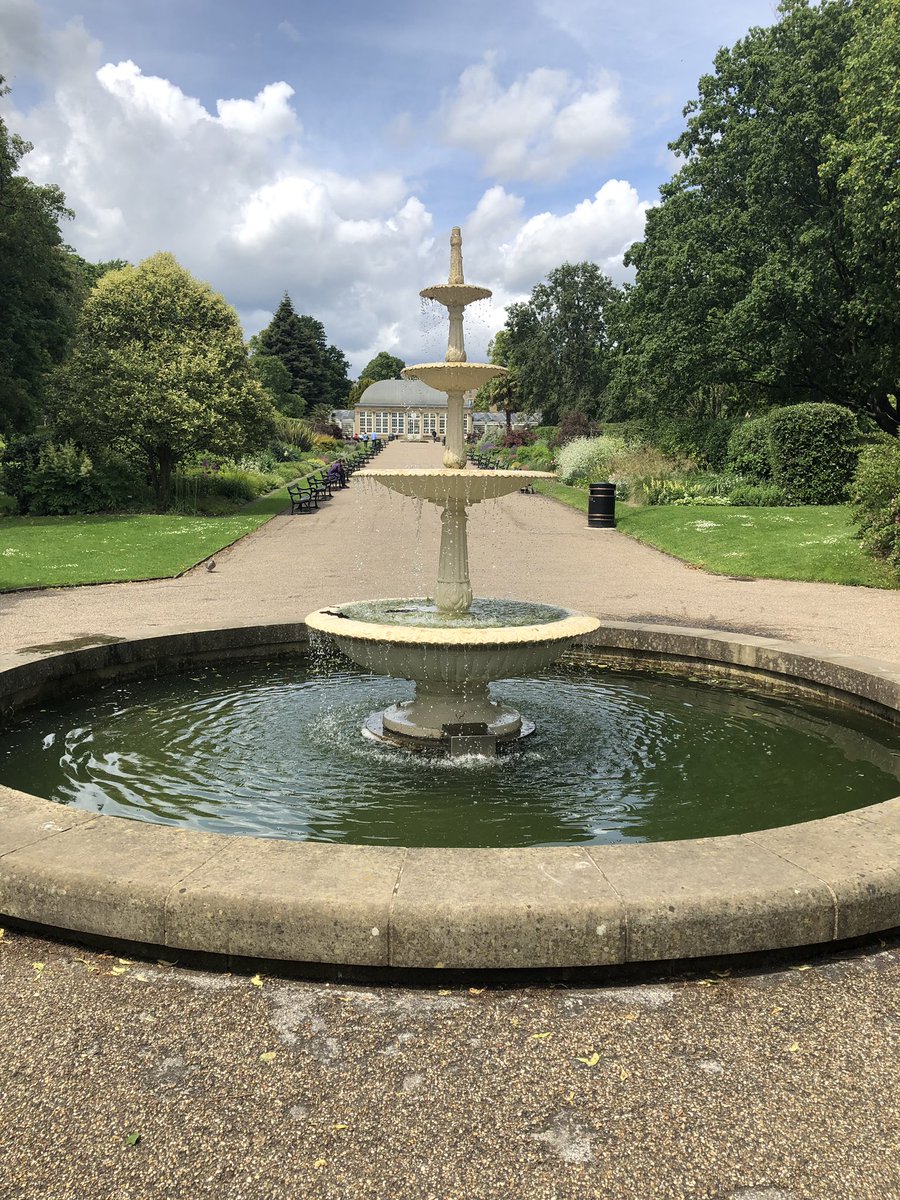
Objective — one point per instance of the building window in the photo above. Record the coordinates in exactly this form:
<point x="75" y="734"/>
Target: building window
<point x="366" y="424"/>
<point x="412" y="424"/>
<point x="397" y="423"/>
<point x="443" y="424"/>
<point x="429" y="423"/>
<point x="382" y="422"/>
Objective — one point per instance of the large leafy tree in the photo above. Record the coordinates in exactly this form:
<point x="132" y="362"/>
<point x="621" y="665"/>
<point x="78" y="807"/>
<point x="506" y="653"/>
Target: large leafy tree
<point x="864" y="159"/>
<point x="749" y="281"/>
<point x="382" y="366"/>
<point x="557" y="341"/>
<point x="158" y="368"/>
<point x="39" y="287"/>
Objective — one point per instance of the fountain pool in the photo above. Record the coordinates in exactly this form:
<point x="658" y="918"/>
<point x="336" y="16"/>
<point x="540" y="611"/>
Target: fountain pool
<point x="271" y="748"/>
<point x="584" y="903"/>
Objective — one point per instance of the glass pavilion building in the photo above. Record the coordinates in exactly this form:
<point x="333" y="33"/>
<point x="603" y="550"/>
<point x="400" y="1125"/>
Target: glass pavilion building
<point x="405" y="408"/>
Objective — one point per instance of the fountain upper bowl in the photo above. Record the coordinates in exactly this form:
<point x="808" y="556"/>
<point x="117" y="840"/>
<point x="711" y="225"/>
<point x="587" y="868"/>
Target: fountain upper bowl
<point x="452" y="294"/>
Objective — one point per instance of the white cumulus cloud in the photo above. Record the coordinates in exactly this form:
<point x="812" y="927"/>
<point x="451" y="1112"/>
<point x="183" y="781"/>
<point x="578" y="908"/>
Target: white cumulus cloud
<point x="538" y="127"/>
<point x="236" y="194"/>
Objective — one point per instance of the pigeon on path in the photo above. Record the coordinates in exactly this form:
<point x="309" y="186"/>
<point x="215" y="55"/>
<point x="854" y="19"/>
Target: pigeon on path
<point x="211" y="565"/>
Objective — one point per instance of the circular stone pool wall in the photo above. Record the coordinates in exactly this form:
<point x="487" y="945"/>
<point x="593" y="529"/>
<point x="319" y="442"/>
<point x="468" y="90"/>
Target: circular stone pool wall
<point x="394" y="907"/>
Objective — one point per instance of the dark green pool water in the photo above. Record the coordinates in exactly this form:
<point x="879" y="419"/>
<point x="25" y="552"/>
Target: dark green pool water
<point x="275" y="750"/>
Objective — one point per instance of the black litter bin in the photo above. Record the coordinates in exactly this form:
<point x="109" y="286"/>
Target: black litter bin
<point x="602" y="506"/>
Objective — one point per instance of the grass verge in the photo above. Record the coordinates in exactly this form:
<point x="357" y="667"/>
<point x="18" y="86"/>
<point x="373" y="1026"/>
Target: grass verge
<point x="61" y="551"/>
<point x="813" y="544"/>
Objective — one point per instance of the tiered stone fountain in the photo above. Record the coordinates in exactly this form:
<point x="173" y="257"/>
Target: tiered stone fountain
<point x="450" y="645"/>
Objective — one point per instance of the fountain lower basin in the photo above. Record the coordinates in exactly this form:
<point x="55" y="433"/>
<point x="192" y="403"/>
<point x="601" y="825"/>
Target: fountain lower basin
<point x="451" y="661"/>
<point x="396" y="909"/>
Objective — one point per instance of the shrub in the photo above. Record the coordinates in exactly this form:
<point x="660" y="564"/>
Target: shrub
<point x="294" y="431"/>
<point x="813" y="450"/>
<point x="17" y="464"/>
<point x="875" y="492"/>
<point x="323" y="441"/>
<point x="546" y="433"/>
<point x="228" y="483"/>
<point x="538" y="457"/>
<point x="757" y="495"/>
<point x="588" y="460"/>
<point x="748" y="448"/>
<point x="59" y="480"/>
<point x="682" y="491"/>
<point x="517" y="437"/>
<point x="574" y="424"/>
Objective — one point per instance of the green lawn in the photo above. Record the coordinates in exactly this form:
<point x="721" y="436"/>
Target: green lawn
<point x="812" y="543"/>
<point x="58" y="551"/>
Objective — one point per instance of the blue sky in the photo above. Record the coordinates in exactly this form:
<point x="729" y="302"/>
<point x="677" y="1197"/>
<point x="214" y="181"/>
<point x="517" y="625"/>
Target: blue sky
<point x="327" y="148"/>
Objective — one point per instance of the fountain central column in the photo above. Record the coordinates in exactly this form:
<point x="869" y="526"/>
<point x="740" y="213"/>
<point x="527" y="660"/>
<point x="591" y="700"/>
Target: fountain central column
<point x="454" y="441"/>
<point x="453" y="594"/>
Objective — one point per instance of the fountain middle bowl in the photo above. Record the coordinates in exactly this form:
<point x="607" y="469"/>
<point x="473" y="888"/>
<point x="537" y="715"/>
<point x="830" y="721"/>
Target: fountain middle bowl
<point x="451" y="659"/>
<point x="446" y="485"/>
<point x="453" y="652"/>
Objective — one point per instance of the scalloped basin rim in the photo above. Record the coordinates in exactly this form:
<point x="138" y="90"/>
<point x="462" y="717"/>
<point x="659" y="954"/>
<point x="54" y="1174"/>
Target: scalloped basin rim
<point x="574" y="625"/>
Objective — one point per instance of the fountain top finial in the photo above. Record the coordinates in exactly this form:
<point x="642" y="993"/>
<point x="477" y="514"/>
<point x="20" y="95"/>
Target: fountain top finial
<point x="456" y="263"/>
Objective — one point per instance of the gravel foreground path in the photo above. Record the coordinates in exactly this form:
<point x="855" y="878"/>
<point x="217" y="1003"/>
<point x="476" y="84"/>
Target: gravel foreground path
<point x="138" y="1080"/>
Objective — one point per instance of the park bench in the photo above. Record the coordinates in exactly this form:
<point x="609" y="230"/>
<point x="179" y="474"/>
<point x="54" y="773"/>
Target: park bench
<point x="303" y="499"/>
<point x="305" y="495"/>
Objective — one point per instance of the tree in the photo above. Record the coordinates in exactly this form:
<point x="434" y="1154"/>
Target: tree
<point x="39" y="290"/>
<point x="89" y="274"/>
<point x="503" y="393"/>
<point x="749" y="289"/>
<point x="865" y="162"/>
<point x="318" y="371"/>
<point x="276" y="379"/>
<point x="558" y="343"/>
<point x="158" y="368"/>
<point x="382" y="366"/>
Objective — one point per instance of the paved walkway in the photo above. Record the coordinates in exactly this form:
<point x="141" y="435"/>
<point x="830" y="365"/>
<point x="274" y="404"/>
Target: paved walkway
<point x="770" y="1083"/>
<point x="368" y="541"/>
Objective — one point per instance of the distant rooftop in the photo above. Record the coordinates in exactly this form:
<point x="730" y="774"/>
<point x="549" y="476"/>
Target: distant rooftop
<point x="408" y="393"/>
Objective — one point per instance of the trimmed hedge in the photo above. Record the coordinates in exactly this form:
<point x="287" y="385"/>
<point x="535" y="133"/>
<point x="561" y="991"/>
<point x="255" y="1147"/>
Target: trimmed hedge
<point x="813" y="450"/>
<point x="875" y="492"/>
<point x="748" y="449"/>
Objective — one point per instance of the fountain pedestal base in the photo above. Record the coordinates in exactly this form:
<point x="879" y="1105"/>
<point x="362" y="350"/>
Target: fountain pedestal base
<point x="439" y="709"/>
<point x="398" y="735"/>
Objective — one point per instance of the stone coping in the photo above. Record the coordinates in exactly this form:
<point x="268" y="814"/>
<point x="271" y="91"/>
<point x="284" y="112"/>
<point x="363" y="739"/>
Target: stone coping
<point x="361" y="906"/>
